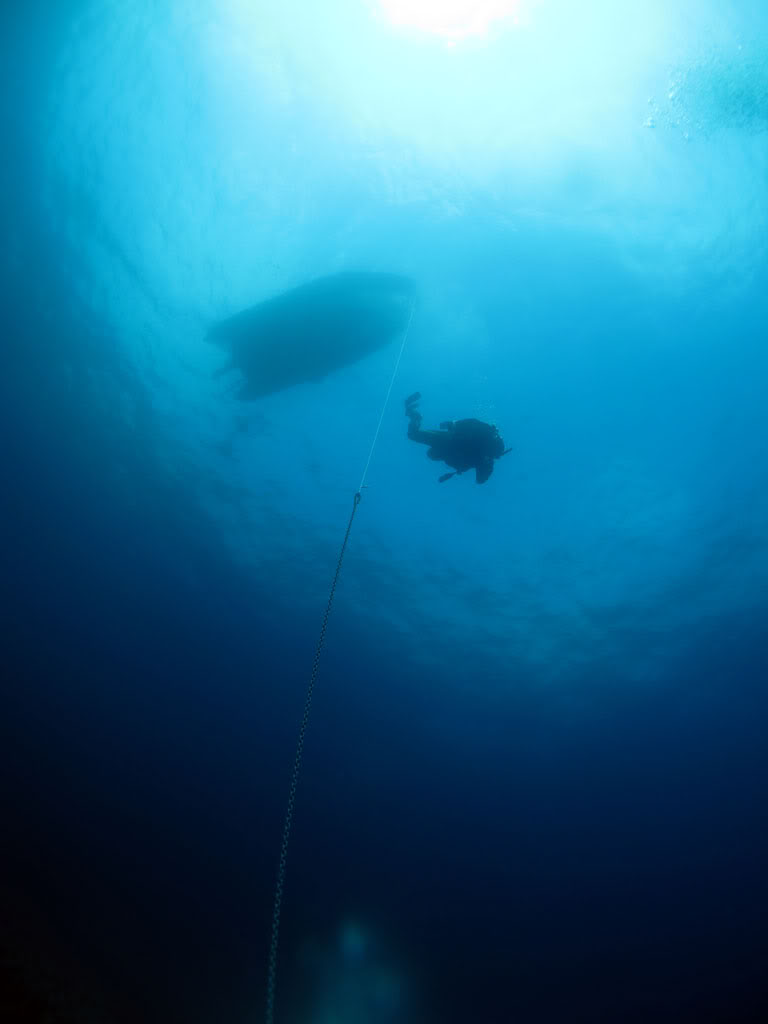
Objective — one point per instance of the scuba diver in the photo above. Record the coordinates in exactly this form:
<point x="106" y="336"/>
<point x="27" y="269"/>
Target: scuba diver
<point x="465" y="444"/>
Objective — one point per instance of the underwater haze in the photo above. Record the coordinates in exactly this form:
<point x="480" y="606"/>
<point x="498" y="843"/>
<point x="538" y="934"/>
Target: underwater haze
<point x="534" y="778"/>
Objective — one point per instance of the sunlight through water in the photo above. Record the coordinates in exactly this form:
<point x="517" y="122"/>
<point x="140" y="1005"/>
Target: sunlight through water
<point x="451" y="19"/>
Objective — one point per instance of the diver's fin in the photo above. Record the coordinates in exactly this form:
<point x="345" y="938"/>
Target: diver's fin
<point x="412" y="399"/>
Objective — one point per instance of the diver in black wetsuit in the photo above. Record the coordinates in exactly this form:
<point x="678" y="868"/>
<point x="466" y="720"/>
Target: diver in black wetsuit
<point x="464" y="444"/>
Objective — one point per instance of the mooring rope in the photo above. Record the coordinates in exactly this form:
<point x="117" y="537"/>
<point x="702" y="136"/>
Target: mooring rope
<point x="297" y="760"/>
<point x="280" y="883"/>
<point x="386" y="399"/>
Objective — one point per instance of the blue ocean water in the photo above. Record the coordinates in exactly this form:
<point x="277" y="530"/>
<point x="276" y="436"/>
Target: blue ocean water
<point x="535" y="773"/>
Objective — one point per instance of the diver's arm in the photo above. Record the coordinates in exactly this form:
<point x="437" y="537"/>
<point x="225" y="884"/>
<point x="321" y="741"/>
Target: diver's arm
<point x="483" y="470"/>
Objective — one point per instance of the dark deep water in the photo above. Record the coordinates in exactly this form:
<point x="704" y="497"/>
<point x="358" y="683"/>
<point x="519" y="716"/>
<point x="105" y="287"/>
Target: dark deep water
<point x="535" y="777"/>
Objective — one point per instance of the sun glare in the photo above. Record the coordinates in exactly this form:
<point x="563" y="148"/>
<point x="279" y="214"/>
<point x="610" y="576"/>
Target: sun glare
<point x="451" y="19"/>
